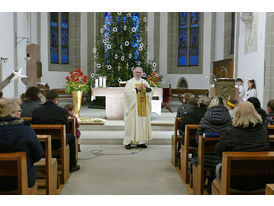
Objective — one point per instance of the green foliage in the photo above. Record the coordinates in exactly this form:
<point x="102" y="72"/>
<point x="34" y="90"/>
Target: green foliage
<point x="115" y="51"/>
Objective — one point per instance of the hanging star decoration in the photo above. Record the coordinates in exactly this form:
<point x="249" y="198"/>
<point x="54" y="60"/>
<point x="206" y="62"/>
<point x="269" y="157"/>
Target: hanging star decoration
<point x="18" y="75"/>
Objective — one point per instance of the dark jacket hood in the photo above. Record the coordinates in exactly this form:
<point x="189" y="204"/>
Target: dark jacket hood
<point x="9" y="128"/>
<point x="217" y="115"/>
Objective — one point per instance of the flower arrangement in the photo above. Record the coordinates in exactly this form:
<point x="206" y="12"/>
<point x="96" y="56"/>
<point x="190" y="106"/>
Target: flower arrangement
<point x="77" y="81"/>
<point x="154" y="80"/>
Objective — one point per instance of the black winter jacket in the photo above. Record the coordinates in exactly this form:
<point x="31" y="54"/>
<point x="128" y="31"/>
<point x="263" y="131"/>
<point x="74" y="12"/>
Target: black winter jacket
<point x="216" y="119"/>
<point x="238" y="139"/>
<point x="50" y="113"/>
<point x="189" y="115"/>
<point x="28" y="106"/>
<point x="16" y="135"/>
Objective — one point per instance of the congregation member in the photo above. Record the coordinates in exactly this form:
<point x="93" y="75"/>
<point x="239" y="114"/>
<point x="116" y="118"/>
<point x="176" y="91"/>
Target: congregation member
<point x="69" y="108"/>
<point x="239" y="84"/>
<point x="137" y="111"/>
<point x="251" y="90"/>
<point x="51" y="113"/>
<point x="191" y="113"/>
<point x="270" y="112"/>
<point x="231" y="104"/>
<point x="257" y="104"/>
<point x="216" y="118"/>
<point x="246" y="134"/>
<point x="16" y="135"/>
<point x="31" y="102"/>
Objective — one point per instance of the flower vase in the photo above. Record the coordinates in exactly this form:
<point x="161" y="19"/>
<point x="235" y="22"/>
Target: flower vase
<point x="77" y="101"/>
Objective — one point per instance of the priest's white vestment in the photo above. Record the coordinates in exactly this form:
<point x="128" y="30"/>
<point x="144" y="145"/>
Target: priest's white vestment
<point x="137" y="120"/>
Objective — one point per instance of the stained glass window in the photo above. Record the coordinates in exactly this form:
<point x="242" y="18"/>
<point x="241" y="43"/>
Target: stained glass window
<point x="182" y="56"/>
<point x="64" y="38"/>
<point x="59" y="37"/>
<point x="188" y="51"/>
<point x="54" y="50"/>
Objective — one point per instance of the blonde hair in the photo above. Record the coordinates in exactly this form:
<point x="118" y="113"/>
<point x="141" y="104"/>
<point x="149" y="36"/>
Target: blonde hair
<point x="8" y="106"/>
<point x="204" y="101"/>
<point x="217" y="101"/>
<point x="245" y="114"/>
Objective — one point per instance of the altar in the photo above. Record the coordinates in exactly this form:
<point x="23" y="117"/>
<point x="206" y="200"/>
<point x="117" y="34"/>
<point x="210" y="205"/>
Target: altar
<point x="115" y="100"/>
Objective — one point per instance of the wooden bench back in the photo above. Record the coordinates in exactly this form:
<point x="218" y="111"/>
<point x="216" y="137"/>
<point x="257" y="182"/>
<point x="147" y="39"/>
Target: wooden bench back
<point x="271" y="129"/>
<point x="72" y="126"/>
<point x="15" y="164"/>
<point x="206" y="146"/>
<point x="245" y="163"/>
<point x="190" y="134"/>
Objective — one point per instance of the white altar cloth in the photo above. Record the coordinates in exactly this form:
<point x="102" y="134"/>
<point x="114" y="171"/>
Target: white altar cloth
<point x="115" y="100"/>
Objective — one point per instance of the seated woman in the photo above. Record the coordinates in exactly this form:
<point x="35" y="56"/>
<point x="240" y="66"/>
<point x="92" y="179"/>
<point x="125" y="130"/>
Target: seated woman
<point x="246" y="134"/>
<point x="216" y="118"/>
<point x="31" y="102"/>
<point x="17" y="136"/>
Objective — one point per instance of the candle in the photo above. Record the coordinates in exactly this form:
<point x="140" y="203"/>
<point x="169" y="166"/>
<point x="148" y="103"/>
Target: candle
<point x="104" y="82"/>
<point x="100" y="81"/>
<point x="96" y="82"/>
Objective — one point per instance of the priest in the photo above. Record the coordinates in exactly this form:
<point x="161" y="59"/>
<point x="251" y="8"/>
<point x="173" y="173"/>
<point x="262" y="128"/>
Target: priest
<point x="137" y="110"/>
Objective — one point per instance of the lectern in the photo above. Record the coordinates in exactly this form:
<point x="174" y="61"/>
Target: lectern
<point x="225" y="88"/>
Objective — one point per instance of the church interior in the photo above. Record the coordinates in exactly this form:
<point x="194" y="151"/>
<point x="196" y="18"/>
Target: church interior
<point x="202" y="53"/>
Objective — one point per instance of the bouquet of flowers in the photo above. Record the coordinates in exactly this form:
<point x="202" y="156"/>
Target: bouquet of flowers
<point x="77" y="81"/>
<point x="154" y="80"/>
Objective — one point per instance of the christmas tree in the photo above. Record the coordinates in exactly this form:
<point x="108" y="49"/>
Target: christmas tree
<point x="120" y="47"/>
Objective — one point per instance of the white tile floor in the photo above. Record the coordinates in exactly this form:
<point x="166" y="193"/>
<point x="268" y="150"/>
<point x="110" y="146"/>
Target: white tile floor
<point x="112" y="170"/>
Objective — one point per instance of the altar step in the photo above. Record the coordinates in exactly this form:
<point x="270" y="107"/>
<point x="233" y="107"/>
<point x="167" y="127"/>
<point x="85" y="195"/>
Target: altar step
<point x="116" y="137"/>
<point x="112" y="132"/>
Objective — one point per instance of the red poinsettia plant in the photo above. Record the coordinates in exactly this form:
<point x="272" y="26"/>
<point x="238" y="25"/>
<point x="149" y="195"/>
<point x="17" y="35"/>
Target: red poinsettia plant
<point x="154" y="80"/>
<point x="77" y="81"/>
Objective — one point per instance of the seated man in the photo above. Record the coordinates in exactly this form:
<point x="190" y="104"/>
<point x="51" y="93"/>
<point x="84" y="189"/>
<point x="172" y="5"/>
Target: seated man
<point x="270" y="112"/>
<point x="31" y="102"/>
<point x="50" y="113"/>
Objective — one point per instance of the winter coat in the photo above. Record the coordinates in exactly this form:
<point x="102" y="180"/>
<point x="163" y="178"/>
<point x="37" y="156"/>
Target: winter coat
<point x="238" y="139"/>
<point x="16" y="135"/>
<point x="216" y="119"/>
<point x="189" y="115"/>
<point x="249" y="139"/>
<point x="28" y="106"/>
<point x="50" y="113"/>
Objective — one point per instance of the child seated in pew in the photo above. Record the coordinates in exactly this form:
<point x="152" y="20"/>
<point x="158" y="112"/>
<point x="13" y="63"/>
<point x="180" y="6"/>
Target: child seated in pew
<point x="231" y="104"/>
<point x="270" y="112"/>
<point x="16" y="135"/>
<point x="246" y="134"/>
<point x="70" y="113"/>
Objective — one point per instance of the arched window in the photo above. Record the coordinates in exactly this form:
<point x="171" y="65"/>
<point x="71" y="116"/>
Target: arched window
<point x="59" y="38"/>
<point x="188" y="49"/>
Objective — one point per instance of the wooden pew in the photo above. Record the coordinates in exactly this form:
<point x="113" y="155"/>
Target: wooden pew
<point x="269" y="189"/>
<point x="190" y="134"/>
<point x="72" y="130"/>
<point x="242" y="163"/>
<point x="271" y="129"/>
<point x="15" y="164"/>
<point x="206" y="145"/>
<point x="174" y="142"/>
<point x="57" y="132"/>
<point x="47" y="166"/>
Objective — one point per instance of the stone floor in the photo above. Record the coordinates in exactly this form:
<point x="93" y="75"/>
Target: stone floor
<point x="112" y="170"/>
